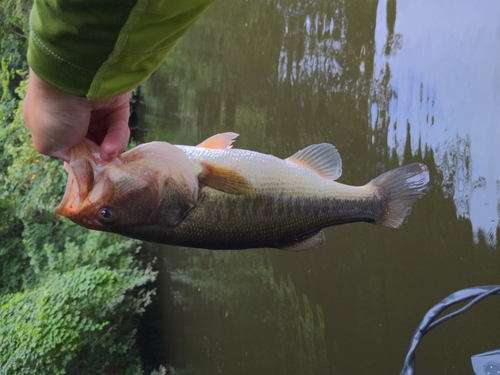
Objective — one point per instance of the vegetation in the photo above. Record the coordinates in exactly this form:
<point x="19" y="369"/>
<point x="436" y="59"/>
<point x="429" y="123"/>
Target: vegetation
<point x="13" y="31"/>
<point x="69" y="297"/>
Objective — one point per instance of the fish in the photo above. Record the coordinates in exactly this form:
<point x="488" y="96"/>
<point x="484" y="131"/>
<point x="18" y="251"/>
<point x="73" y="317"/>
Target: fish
<point x="214" y="196"/>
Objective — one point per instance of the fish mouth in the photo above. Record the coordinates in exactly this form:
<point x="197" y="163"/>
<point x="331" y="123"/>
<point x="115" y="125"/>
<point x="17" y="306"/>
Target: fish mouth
<point x="70" y="201"/>
<point x="80" y="181"/>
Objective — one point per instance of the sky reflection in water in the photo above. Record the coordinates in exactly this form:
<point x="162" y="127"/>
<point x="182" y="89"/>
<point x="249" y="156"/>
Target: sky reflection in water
<point x="445" y="94"/>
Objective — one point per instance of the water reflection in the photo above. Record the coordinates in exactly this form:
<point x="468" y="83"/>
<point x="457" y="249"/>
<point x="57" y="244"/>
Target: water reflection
<point x="314" y="39"/>
<point x="377" y="80"/>
<point x="439" y="89"/>
<point x="267" y="325"/>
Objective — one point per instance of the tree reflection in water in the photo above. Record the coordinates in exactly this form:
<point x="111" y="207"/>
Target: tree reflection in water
<point x="284" y="333"/>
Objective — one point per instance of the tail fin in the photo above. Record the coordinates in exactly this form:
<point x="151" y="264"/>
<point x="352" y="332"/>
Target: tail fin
<point x="399" y="189"/>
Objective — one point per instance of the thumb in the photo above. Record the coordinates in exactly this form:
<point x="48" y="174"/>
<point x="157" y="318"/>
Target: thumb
<point x="115" y="140"/>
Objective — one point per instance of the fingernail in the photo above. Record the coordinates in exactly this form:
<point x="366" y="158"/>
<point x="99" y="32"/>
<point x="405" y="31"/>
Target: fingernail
<point x="105" y="156"/>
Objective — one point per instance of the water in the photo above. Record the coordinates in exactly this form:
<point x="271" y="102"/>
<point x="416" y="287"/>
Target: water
<point x="388" y="83"/>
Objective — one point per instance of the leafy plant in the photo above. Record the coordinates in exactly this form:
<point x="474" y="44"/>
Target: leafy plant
<point x="14" y="28"/>
<point x="69" y="324"/>
<point x="68" y="296"/>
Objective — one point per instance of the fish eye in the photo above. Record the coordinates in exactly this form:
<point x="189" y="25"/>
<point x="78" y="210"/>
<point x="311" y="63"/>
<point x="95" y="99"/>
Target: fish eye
<point x="106" y="215"/>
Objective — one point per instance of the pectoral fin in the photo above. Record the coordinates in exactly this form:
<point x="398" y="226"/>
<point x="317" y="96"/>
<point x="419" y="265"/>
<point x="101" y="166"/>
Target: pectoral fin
<point x="323" y="159"/>
<point x="308" y="244"/>
<point x="224" y="179"/>
<point x="220" y="141"/>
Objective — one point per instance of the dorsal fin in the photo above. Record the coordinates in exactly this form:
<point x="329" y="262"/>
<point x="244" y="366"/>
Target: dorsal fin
<point x="323" y="158"/>
<point x="221" y="141"/>
<point x="224" y="179"/>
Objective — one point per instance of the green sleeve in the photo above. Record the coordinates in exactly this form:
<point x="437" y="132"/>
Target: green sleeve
<point x="99" y="49"/>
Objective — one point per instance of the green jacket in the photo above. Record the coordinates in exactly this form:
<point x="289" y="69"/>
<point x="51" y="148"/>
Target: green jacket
<point x="99" y="49"/>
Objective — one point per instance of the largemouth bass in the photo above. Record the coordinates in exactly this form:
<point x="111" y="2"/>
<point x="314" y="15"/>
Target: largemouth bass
<point x="214" y="196"/>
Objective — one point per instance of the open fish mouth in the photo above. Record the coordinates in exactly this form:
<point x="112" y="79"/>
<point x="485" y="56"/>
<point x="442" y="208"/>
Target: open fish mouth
<point x="80" y="182"/>
<point x="81" y="169"/>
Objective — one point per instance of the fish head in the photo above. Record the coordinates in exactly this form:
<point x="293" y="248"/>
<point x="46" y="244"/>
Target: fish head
<point x="134" y="194"/>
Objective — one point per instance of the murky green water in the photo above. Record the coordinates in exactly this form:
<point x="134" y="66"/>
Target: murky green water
<point x="387" y="83"/>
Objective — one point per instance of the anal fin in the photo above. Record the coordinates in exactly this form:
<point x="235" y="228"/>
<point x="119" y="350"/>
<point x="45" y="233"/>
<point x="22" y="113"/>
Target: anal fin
<point x="309" y="243"/>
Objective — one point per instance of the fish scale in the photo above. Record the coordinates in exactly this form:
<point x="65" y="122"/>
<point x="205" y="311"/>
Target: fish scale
<point x="272" y="221"/>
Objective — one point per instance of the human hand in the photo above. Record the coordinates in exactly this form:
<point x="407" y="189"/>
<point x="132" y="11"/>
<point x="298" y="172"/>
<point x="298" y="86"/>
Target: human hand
<point x="58" y="121"/>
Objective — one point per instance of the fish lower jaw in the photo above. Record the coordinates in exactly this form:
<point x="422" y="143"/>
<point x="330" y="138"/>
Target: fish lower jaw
<point x="89" y="223"/>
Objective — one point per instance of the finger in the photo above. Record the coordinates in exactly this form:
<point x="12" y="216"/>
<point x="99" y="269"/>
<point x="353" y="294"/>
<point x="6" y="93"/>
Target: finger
<point x="109" y="124"/>
<point x="115" y="141"/>
<point x="97" y="129"/>
<point x="56" y="120"/>
<point x="63" y="155"/>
